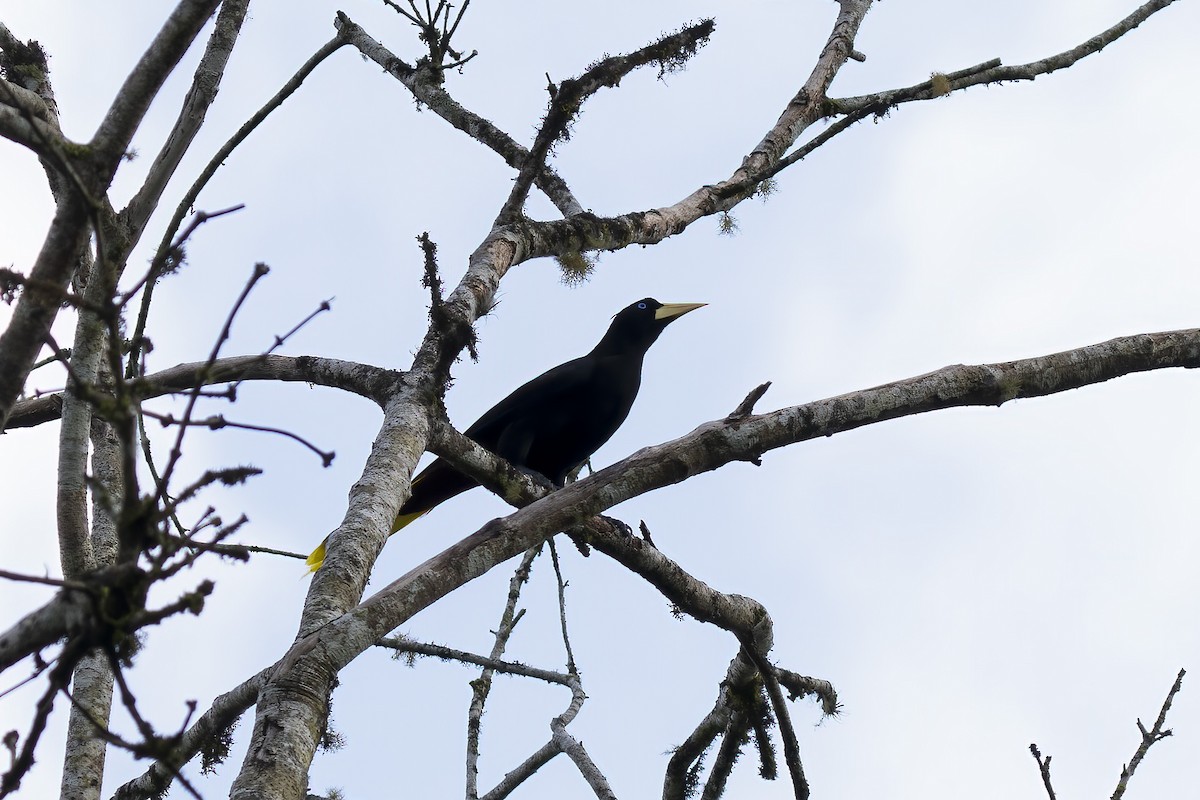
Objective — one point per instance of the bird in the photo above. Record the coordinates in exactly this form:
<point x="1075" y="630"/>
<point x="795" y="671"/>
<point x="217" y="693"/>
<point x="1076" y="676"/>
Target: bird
<point x="555" y="422"/>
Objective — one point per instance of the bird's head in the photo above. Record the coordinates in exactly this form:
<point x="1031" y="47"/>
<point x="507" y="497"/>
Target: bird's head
<point x="636" y="326"/>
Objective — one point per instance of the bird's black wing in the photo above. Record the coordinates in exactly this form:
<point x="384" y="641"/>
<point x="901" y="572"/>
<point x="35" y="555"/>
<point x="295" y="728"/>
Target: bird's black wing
<point x="508" y="429"/>
<point x="539" y="399"/>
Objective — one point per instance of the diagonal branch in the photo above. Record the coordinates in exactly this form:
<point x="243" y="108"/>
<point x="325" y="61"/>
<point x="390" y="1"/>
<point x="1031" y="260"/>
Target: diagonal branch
<point x="224" y="712"/>
<point x="373" y="383"/>
<point x="1149" y="737"/>
<point x="568" y="97"/>
<point x="205" y="84"/>
<point x="427" y="89"/>
<point x="168" y="244"/>
<point x="21" y="121"/>
<point x="586" y="232"/>
<point x="146" y="78"/>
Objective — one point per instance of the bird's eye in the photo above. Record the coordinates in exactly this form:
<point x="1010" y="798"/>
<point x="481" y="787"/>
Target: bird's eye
<point x="641" y="305"/>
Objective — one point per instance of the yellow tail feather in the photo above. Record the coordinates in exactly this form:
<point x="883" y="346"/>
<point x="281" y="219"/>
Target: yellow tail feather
<point x="317" y="557"/>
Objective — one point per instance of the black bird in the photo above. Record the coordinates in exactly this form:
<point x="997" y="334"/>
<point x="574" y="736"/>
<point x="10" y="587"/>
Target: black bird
<point x="554" y="423"/>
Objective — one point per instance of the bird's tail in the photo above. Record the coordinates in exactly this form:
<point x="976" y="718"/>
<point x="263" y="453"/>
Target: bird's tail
<point x="317" y="557"/>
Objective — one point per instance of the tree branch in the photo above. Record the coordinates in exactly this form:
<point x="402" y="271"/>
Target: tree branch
<point x="223" y="713"/>
<point x="568" y="97"/>
<point x="373" y="383"/>
<point x="427" y="89"/>
<point x="145" y="79"/>
<point x="1044" y="769"/>
<point x="993" y="72"/>
<point x="205" y="84"/>
<point x="167" y="245"/>
<point x="403" y="646"/>
<point x="481" y="687"/>
<point x="1149" y="738"/>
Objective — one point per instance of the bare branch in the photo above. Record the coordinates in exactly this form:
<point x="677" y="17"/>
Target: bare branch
<point x="259" y="272"/>
<point x="370" y="382"/>
<point x="23" y="124"/>
<point x="146" y="78"/>
<point x="574" y="748"/>
<point x="205" y="84"/>
<point x="481" y="687"/>
<point x="746" y="407"/>
<point x="166" y="245"/>
<point x="717" y="443"/>
<point x="403" y="646"/>
<point x="562" y="607"/>
<point x="39" y="302"/>
<point x="224" y="712"/>
<point x="993" y="72"/>
<point x="429" y="91"/>
<point x="1149" y="737"/>
<point x="1044" y="768"/>
<point x="568" y="97"/>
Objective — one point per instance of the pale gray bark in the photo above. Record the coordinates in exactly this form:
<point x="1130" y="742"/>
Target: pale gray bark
<point x="373" y="383"/>
<point x="92" y="682"/>
<point x="205" y="84"/>
<point x="84" y="755"/>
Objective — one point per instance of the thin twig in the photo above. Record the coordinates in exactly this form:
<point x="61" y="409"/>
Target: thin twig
<point x="260" y="271"/>
<point x="481" y="686"/>
<point x="405" y="646"/>
<point x="1149" y="737"/>
<point x="215" y="163"/>
<point x="562" y="608"/>
<point x="1044" y="768"/>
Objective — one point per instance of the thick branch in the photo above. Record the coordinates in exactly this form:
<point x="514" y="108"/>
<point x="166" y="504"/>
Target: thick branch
<point x="335" y="628"/>
<point x="69" y="612"/>
<point x="25" y="125"/>
<point x="39" y="302"/>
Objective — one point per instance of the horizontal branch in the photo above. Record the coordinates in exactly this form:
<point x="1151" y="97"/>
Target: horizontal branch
<point x="70" y="611"/>
<point x="996" y="73"/>
<point x="370" y="382"/>
<point x="402" y="645"/>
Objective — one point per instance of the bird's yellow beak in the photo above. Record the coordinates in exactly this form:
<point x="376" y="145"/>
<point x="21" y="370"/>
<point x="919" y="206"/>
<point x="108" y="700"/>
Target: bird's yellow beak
<point x="672" y="310"/>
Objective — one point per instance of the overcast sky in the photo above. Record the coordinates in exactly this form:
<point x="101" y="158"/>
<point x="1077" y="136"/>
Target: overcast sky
<point x="971" y="581"/>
